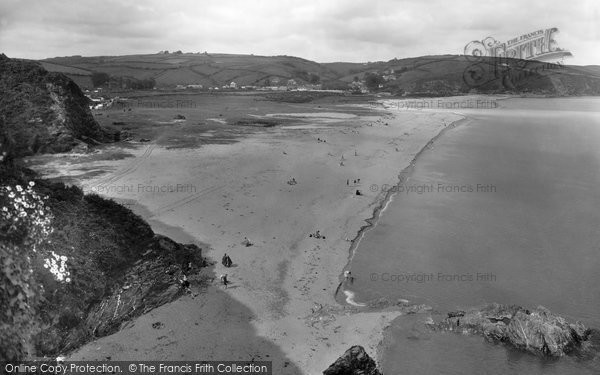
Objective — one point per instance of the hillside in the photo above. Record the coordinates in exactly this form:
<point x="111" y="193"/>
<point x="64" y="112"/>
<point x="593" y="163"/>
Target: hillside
<point x="419" y="76"/>
<point x="452" y="74"/>
<point x="43" y="111"/>
<point x="169" y="70"/>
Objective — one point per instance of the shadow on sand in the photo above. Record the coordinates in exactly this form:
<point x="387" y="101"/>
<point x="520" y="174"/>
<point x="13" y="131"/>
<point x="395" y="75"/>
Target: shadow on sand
<point x="208" y="325"/>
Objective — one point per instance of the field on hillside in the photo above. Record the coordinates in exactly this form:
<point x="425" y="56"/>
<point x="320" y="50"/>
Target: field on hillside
<point x="426" y="75"/>
<point x="192" y="68"/>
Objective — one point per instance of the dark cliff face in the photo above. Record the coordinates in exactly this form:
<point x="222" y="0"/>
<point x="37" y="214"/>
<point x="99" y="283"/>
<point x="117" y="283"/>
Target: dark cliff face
<point x="43" y="112"/>
<point x="355" y="361"/>
<point x="118" y="268"/>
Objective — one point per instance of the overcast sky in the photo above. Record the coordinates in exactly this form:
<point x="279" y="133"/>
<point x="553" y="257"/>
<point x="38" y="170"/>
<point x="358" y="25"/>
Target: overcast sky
<point x="320" y="30"/>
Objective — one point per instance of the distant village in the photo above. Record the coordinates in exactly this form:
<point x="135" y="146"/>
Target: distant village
<point x="276" y="84"/>
<point x="103" y="97"/>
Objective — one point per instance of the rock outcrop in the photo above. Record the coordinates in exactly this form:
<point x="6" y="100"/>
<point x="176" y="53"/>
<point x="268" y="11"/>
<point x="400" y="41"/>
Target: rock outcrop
<point x="538" y="331"/>
<point x="113" y="268"/>
<point x="150" y="282"/>
<point x="355" y="361"/>
<point x="43" y="112"/>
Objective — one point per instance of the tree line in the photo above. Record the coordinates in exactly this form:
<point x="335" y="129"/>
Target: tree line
<point x="101" y="79"/>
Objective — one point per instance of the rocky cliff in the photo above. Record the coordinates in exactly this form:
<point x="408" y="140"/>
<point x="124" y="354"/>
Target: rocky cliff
<point x="43" y="112"/>
<point x="80" y="270"/>
<point x="537" y="331"/>
<point x="355" y="361"/>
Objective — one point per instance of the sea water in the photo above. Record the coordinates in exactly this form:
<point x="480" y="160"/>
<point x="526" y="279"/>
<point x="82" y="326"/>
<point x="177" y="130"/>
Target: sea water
<point x="503" y="208"/>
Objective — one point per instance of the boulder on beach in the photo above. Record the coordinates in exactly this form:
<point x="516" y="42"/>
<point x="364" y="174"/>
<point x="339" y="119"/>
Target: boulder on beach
<point x="355" y="361"/>
<point x="538" y="331"/>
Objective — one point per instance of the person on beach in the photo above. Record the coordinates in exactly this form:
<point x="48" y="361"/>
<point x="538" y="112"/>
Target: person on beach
<point x="348" y="276"/>
<point x="185" y="284"/>
<point x="228" y="261"/>
<point x="347" y="182"/>
<point x="224" y="280"/>
<point x="224" y="260"/>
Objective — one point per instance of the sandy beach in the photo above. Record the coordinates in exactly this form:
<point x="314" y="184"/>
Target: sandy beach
<point x="280" y="305"/>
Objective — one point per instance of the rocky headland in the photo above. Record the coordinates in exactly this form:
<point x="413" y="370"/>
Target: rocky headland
<point x="537" y="331"/>
<point x="73" y="266"/>
<point x="44" y="112"/>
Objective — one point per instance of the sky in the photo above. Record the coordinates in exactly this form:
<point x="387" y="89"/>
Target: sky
<point x="322" y="30"/>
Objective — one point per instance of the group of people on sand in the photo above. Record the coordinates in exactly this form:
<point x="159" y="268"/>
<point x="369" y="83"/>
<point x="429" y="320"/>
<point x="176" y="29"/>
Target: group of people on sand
<point x="348" y="276"/>
<point x="321" y="140"/>
<point x="317" y="234"/>
<point x="292" y="181"/>
<point x="226" y="260"/>
<point x="354" y="183"/>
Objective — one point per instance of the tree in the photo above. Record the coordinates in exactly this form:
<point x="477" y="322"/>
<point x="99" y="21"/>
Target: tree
<point x="373" y="80"/>
<point x="99" y="78"/>
<point x="313" y="78"/>
<point x="334" y="85"/>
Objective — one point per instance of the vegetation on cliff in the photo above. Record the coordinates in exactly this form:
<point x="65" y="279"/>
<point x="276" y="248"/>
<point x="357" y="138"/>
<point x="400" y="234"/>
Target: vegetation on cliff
<point x="76" y="266"/>
<point x="43" y="111"/>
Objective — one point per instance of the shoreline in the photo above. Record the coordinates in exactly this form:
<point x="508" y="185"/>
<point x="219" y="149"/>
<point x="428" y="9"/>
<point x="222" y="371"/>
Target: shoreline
<point x="380" y="207"/>
<point x="291" y="317"/>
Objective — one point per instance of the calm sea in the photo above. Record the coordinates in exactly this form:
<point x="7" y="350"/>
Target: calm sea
<point x="504" y="208"/>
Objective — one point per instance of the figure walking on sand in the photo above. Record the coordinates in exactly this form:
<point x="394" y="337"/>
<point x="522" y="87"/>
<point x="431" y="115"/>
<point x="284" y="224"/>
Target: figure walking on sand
<point x="224" y="280"/>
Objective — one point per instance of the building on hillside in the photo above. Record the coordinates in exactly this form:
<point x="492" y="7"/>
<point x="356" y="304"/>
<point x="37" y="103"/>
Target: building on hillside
<point x="233" y="85"/>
